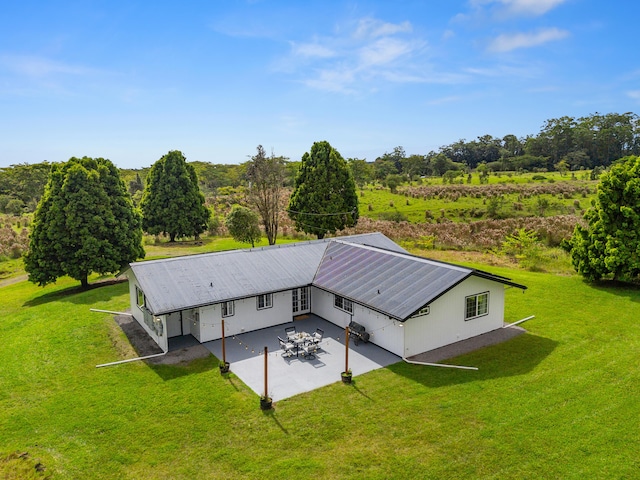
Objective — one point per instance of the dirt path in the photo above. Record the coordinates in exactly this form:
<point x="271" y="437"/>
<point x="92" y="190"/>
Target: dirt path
<point x="12" y="280"/>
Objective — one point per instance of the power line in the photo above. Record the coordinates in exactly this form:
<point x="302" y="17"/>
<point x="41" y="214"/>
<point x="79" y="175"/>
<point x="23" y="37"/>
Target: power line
<point x="322" y="214"/>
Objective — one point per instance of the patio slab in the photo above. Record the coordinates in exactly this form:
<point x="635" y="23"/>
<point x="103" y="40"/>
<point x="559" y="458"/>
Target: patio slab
<point x="289" y="376"/>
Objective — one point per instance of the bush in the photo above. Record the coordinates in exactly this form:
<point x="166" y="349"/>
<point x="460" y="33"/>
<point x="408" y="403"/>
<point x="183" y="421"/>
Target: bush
<point x="394" y="216"/>
<point x="524" y="246"/>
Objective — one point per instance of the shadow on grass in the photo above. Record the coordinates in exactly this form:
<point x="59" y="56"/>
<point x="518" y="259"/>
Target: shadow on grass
<point x="273" y="415"/>
<point x="79" y="295"/>
<point x="615" y="287"/>
<point x="518" y="356"/>
<point x="171" y="372"/>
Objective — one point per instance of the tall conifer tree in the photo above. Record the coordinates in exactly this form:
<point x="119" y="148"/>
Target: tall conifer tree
<point x="85" y="222"/>
<point x="172" y="203"/>
<point x="324" y="198"/>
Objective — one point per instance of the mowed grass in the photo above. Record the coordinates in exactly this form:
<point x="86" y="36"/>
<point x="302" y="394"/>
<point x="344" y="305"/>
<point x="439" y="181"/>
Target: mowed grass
<point x="561" y="401"/>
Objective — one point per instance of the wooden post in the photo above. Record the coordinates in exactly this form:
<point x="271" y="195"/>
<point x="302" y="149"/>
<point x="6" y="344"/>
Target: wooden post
<point x="346" y="349"/>
<point x="266" y="357"/>
<point x="224" y="351"/>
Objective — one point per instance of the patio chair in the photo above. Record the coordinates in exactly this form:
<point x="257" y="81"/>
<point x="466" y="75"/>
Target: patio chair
<point x="316" y="337"/>
<point x="309" y="351"/>
<point x="290" y="331"/>
<point x="287" y="348"/>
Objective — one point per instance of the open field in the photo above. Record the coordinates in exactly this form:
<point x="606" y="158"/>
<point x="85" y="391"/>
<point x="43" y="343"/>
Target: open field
<point x="558" y="402"/>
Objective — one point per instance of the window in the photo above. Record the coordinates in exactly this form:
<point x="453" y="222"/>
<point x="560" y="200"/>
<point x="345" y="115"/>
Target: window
<point x="265" y="301"/>
<point x="343" y="304"/>
<point x="228" y="309"/>
<point x="476" y="305"/>
<point x="141" y="298"/>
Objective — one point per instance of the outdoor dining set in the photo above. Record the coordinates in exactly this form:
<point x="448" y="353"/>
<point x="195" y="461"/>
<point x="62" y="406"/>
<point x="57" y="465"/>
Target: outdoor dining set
<point x="298" y="343"/>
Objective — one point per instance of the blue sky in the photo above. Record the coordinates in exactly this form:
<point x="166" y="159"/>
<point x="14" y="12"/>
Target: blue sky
<point x="129" y="80"/>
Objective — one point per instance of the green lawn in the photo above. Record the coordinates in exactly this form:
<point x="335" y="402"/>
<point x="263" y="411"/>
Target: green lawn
<point x="559" y="402"/>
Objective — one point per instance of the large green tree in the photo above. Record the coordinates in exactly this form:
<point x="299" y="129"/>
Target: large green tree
<point x="324" y="197"/>
<point x="85" y="222"/>
<point x="172" y="203"/>
<point x="243" y="225"/>
<point x="266" y="177"/>
<point x="610" y="244"/>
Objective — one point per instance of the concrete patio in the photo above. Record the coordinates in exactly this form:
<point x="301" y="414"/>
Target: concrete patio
<point x="289" y="376"/>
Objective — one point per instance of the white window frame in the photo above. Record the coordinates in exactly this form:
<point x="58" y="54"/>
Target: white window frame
<point x="343" y="304"/>
<point x="264" y="301"/>
<point x="478" y="308"/>
<point x="304" y="299"/>
<point x="228" y="309"/>
<point x="300" y="299"/>
<point x="141" y="299"/>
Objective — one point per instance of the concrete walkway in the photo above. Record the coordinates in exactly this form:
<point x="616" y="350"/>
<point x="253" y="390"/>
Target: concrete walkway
<point x="289" y="376"/>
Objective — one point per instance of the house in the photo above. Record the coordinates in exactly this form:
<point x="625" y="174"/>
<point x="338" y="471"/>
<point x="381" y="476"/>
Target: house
<point x="365" y="278"/>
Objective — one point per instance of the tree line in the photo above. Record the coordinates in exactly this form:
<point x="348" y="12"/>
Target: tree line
<point x="563" y="144"/>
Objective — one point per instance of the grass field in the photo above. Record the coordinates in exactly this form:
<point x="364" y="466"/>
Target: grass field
<point x="561" y="401"/>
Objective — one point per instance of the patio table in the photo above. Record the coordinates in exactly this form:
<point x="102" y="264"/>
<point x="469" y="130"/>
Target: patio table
<point x="300" y="339"/>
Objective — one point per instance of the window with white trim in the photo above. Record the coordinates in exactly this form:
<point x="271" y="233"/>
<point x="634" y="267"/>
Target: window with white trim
<point x="343" y="303"/>
<point x="228" y="309"/>
<point x="264" y="301"/>
<point x="476" y="305"/>
<point x="142" y="301"/>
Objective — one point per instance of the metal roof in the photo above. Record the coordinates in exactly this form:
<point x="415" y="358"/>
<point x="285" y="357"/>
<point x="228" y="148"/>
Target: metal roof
<point x="179" y="283"/>
<point x="369" y="269"/>
<point x="393" y="283"/>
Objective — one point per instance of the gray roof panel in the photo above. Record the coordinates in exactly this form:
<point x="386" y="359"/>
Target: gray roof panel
<point x="185" y="282"/>
<point x="393" y="283"/>
<point x="369" y="269"/>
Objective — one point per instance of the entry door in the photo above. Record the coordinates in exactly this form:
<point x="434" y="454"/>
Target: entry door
<point x="174" y="325"/>
<point x="300" y="301"/>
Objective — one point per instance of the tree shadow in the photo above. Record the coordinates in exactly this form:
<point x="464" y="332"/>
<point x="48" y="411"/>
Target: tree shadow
<point x="617" y="287"/>
<point x="80" y="295"/>
<point x="518" y="356"/>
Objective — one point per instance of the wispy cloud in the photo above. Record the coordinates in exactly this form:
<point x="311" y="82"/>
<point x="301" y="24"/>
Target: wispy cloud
<point x="509" y="42"/>
<point x="634" y="94"/>
<point x="362" y="57"/>
<point x="373" y="28"/>
<point x="518" y="7"/>
<point x="39" y="67"/>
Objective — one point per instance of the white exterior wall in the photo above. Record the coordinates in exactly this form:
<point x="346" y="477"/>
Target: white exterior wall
<point x="246" y="318"/>
<point x="158" y="335"/>
<point x="445" y="322"/>
<point x="382" y="330"/>
<point x="322" y="305"/>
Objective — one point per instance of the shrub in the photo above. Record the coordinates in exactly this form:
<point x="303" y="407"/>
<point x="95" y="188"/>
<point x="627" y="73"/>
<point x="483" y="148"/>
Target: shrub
<point x="394" y="216"/>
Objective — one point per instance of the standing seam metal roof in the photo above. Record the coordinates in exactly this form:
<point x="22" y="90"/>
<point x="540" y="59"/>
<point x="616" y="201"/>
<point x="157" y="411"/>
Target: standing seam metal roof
<point x="180" y="283"/>
<point x="369" y="269"/>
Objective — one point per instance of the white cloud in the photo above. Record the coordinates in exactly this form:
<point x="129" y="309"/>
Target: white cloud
<point x="634" y="94"/>
<point x="508" y="42"/>
<point x="358" y="58"/>
<point x="384" y="51"/>
<point x="519" y="7"/>
<point x="312" y="50"/>
<point x="531" y="7"/>
<point x="372" y="28"/>
<point x="39" y="67"/>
